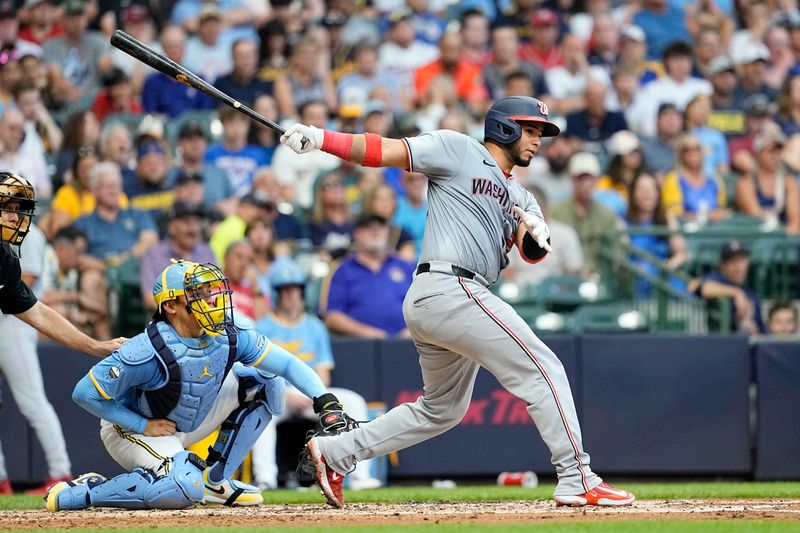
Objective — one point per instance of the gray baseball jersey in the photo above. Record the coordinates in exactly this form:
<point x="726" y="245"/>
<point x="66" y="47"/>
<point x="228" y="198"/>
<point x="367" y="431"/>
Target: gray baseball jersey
<point x="471" y="222"/>
<point x="458" y="325"/>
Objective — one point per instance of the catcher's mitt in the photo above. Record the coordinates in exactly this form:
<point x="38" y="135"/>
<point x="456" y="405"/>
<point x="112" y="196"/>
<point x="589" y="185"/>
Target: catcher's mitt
<point x="332" y="421"/>
<point x="332" y="418"/>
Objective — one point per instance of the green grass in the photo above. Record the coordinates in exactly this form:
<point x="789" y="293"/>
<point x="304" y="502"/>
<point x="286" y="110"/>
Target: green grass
<point x="644" y="491"/>
<point x="740" y="526"/>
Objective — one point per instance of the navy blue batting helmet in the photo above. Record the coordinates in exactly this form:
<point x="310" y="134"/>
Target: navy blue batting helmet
<point x="502" y="120"/>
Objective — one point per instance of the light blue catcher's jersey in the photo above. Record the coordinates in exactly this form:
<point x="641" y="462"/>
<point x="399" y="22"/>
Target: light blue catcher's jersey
<point x="130" y="372"/>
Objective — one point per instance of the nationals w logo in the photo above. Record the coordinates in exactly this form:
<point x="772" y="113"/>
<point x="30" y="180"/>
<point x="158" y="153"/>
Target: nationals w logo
<point x="543" y="108"/>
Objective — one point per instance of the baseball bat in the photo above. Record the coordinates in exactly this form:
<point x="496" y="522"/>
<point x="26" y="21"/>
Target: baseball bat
<point x="137" y="49"/>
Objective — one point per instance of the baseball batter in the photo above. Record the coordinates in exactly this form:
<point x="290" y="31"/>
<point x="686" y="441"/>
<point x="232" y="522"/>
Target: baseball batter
<point x="477" y="213"/>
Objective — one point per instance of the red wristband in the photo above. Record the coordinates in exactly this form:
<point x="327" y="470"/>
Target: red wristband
<point x="373" y="155"/>
<point x="337" y="143"/>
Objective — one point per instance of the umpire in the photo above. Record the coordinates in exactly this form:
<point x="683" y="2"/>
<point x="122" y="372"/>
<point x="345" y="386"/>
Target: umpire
<point x="17" y="205"/>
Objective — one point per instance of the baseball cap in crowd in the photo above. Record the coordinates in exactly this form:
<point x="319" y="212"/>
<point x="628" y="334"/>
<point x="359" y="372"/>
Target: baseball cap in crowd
<point x="73" y="7"/>
<point x="751" y="53"/>
<point x="367" y="219"/>
<point x="757" y="105"/>
<point x="7" y="9"/>
<point x="733" y="248"/>
<point x="149" y="147"/>
<point x="191" y="129"/>
<point x="634" y="33"/>
<point x="134" y="14"/>
<point x="185" y="209"/>
<point x="259" y="199"/>
<point x="352" y="103"/>
<point x="188" y="177"/>
<point x="583" y="163"/>
<point x="768" y="137"/>
<point x="720" y="64"/>
<point x="544" y="17"/>
<point x="209" y="11"/>
<point x="150" y="126"/>
<point x="334" y="18"/>
<point x="400" y="14"/>
<point x="375" y="106"/>
<point x="623" y="142"/>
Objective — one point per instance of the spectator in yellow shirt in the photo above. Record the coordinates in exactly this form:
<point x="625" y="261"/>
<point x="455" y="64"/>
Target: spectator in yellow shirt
<point x="253" y="206"/>
<point x="690" y="193"/>
<point x="75" y="199"/>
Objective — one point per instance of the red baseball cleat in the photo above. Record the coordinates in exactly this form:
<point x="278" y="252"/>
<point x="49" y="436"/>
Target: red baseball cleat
<point x="603" y="495"/>
<point x="41" y="491"/>
<point x="330" y="481"/>
<point x="5" y="488"/>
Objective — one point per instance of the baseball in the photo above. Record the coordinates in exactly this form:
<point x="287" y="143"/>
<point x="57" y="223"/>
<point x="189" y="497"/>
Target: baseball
<point x="237" y="105"/>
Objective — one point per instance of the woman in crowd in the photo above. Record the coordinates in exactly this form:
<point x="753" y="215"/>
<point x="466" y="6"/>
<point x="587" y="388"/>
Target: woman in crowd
<point x="305" y="81"/>
<point x="382" y="201"/>
<point x="625" y="164"/>
<point x="261" y="236"/>
<point x="688" y="191"/>
<point x="770" y="193"/>
<point x="74" y="198"/>
<point x="261" y="135"/>
<point x="789" y="105"/>
<point x="80" y="129"/>
<point x="716" y="161"/>
<point x="331" y="225"/>
<point x="645" y="211"/>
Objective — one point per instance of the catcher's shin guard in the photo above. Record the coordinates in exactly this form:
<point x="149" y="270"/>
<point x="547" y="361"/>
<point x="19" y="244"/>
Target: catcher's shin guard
<point x="237" y="435"/>
<point x="142" y="489"/>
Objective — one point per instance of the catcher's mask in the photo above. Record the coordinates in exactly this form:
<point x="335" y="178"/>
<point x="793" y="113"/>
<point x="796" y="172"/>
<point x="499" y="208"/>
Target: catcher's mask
<point x="17" y="197"/>
<point x="207" y="292"/>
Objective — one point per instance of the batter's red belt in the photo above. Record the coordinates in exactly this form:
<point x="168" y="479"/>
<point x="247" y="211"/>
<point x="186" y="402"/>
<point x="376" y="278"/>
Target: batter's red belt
<point x="447" y="268"/>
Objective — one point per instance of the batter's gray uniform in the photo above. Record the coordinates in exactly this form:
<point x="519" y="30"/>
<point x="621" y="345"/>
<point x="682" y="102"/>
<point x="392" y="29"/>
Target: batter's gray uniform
<point x="458" y="325"/>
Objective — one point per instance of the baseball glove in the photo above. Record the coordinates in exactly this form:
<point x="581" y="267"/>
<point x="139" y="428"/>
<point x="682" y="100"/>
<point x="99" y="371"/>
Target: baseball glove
<point x="332" y="418"/>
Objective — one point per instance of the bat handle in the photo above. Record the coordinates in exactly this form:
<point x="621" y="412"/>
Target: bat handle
<point x="304" y="143"/>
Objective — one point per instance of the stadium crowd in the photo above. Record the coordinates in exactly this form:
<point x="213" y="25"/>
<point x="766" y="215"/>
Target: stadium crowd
<point x="673" y="113"/>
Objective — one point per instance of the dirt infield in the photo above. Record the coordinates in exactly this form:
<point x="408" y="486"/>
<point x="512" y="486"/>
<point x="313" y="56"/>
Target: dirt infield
<point x="417" y="513"/>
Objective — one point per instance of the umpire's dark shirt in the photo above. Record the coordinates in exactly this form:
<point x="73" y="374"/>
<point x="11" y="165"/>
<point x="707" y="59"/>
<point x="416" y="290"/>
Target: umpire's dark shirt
<point x="15" y="296"/>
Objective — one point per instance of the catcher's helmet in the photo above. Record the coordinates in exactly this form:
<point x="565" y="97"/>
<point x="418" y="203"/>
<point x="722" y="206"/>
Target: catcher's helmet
<point x="16" y="196"/>
<point x="502" y="120"/>
<point x="206" y="289"/>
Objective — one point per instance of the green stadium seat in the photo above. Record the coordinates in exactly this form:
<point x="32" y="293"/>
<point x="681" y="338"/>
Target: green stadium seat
<point x="608" y="318"/>
<point x="126" y="307"/>
<point x="205" y="118"/>
<point x="565" y="293"/>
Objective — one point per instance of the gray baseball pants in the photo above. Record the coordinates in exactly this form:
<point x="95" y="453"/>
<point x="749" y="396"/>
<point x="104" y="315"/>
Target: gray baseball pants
<point x="458" y="326"/>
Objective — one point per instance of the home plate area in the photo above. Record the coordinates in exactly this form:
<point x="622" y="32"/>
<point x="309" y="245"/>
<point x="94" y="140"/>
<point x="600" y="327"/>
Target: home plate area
<point x="419" y="513"/>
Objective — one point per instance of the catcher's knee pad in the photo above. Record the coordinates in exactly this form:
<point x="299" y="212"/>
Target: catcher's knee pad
<point x="255" y="384"/>
<point x="237" y="435"/>
<point x="141" y="489"/>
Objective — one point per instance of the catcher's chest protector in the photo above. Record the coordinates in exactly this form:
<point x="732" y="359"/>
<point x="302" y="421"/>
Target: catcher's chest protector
<point x="194" y="376"/>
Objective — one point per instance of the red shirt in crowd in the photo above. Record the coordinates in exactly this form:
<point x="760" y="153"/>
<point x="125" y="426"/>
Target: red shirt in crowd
<point x="104" y="106"/>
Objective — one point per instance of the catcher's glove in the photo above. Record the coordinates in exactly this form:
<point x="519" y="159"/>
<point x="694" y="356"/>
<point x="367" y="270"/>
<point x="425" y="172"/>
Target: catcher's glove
<point x="332" y="418"/>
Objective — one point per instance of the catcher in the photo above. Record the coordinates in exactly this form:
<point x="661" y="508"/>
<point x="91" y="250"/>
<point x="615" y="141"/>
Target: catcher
<point x="193" y="368"/>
